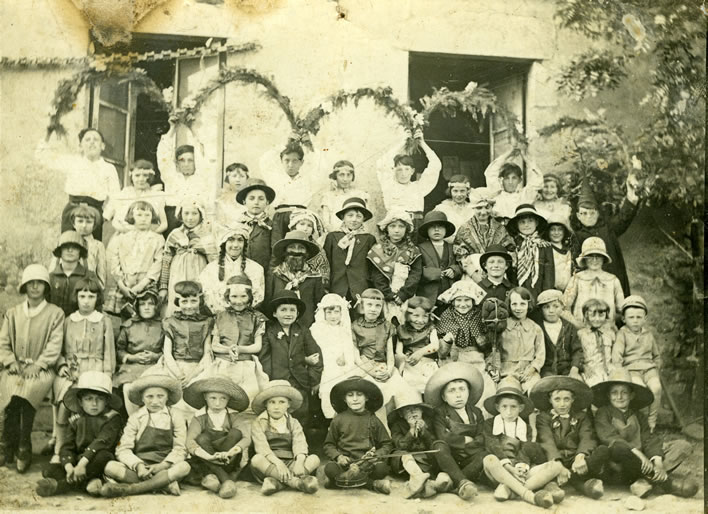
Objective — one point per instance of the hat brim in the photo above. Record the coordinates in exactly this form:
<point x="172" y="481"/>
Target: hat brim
<point x="582" y="256"/>
<point x="485" y="257"/>
<point x="512" y="225"/>
<point x="366" y="212"/>
<point x="374" y="397"/>
<point x="582" y="394"/>
<point x="450" y="372"/>
<point x="269" y="192"/>
<point x="83" y="252"/>
<point x="280" y="247"/>
<point x="194" y="394"/>
<point x="273" y="304"/>
<point x="491" y="408"/>
<point x="398" y="413"/>
<point x="643" y="397"/>
<point x="166" y="382"/>
<point x="72" y="403"/>
<point x="289" y="392"/>
<point x="449" y="228"/>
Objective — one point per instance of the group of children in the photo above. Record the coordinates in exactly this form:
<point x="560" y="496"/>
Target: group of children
<point x="223" y="344"/>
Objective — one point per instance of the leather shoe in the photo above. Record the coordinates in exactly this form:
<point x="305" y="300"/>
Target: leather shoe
<point x="24" y="459"/>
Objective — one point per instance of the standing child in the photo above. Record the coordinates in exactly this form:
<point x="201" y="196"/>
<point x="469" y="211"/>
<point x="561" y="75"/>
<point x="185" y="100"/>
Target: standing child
<point x="495" y="262"/>
<point x="597" y="338"/>
<point x="440" y="268"/>
<point x="228" y="210"/>
<point x="341" y="189"/>
<point x="218" y="436"/>
<point x="505" y="178"/>
<point x="481" y="231"/>
<point x="30" y="345"/>
<point x="457" y="206"/>
<point x="551" y="202"/>
<point x="635" y="349"/>
<point x="417" y="348"/>
<point x="565" y="250"/>
<point x="309" y="224"/>
<point x="356" y="436"/>
<point x="523" y="352"/>
<point x="151" y="452"/>
<point x="564" y="351"/>
<point x="91" y="437"/>
<point x="237" y="338"/>
<point x="134" y="257"/>
<point x="256" y="197"/>
<point x="68" y="271"/>
<point x="282" y="457"/>
<point x="346" y="248"/>
<point x="187" y="251"/>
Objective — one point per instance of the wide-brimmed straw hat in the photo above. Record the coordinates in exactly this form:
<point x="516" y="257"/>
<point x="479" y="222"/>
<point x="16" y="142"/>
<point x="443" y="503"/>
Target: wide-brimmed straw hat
<point x="95" y="381"/>
<point x="508" y="386"/>
<point x="255" y="183"/>
<point x="34" y="272"/>
<point x="593" y="246"/>
<point x="436" y="218"/>
<point x="70" y="237"/>
<point x="524" y="210"/>
<point x="582" y="395"/>
<point x="166" y="382"/>
<point x="408" y="398"/>
<point x="374" y="397"/>
<point x="454" y="371"/>
<point x="194" y="394"/>
<point x="495" y="250"/>
<point x="620" y="376"/>
<point x="295" y="236"/>
<point x="281" y="297"/>
<point x="354" y="203"/>
<point x="276" y="388"/>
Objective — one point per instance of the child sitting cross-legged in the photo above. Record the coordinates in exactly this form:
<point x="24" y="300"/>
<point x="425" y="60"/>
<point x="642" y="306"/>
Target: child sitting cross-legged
<point x="218" y="437"/>
<point x="91" y="436"/>
<point x="282" y="457"/>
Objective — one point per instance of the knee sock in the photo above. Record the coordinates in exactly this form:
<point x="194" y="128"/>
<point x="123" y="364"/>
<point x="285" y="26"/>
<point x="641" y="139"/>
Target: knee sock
<point x="410" y="465"/>
<point x="543" y="474"/>
<point x="493" y="467"/>
<point x="312" y="462"/>
<point x="27" y="413"/>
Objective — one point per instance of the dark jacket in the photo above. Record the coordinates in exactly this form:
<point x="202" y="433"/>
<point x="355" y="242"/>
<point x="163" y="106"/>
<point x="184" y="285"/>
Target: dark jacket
<point x="383" y="284"/>
<point x="283" y="356"/>
<point x="355" y="277"/>
<point x="546" y="273"/>
<point x="431" y="284"/>
<point x="449" y="427"/>
<point x="563" y="355"/>
<point x="88" y="435"/>
<point x="561" y="443"/>
<point x="352" y="435"/>
<point x="404" y="440"/>
<point x="259" y="245"/>
<point x="500" y="291"/>
<point x="511" y="448"/>
<point x="62" y="287"/>
<point x="310" y="291"/>
<point x="636" y="431"/>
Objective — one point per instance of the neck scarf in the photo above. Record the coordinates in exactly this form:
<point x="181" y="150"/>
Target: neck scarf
<point x="252" y="221"/>
<point x="349" y="240"/>
<point x="516" y="429"/>
<point x="294" y="278"/>
<point x="527" y="256"/>
<point x="466" y="328"/>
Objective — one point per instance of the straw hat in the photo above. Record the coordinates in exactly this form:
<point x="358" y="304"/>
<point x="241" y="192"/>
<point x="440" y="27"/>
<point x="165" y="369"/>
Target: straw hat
<point x="436" y="218"/>
<point x="70" y="237"/>
<point x="541" y="391"/>
<point x="493" y="250"/>
<point x="374" y="398"/>
<point x="448" y="373"/>
<point x="276" y="388"/>
<point x="620" y="376"/>
<point x="166" y="382"/>
<point x="295" y="236"/>
<point x="408" y="398"/>
<point x="593" y="246"/>
<point x="508" y="386"/>
<point x="92" y="381"/>
<point x="354" y="203"/>
<point x="284" y="296"/>
<point x="634" y="300"/>
<point x="255" y="183"/>
<point x="523" y="210"/>
<point x="34" y="272"/>
<point x="548" y="296"/>
<point x="194" y="394"/>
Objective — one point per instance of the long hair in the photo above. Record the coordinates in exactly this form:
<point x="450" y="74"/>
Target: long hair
<point x="222" y="256"/>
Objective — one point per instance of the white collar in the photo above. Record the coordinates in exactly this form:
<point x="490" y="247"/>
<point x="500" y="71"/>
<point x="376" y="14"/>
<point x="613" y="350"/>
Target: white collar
<point x="31" y="312"/>
<point x="519" y="428"/>
<point x="94" y="317"/>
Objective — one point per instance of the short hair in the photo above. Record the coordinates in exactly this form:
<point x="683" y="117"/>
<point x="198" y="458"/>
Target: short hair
<point x="293" y="148"/>
<point x="456" y="179"/>
<point x="550" y="393"/>
<point x="420" y="302"/>
<point x="84" y="211"/>
<point x="341" y="164"/>
<point x="188" y="288"/>
<point x="143" y="164"/>
<point x="179" y="216"/>
<point x="237" y="166"/>
<point x="183" y="149"/>
<point x="524" y="293"/>
<point x="404" y="159"/>
<point x="91" y="285"/>
<point x="143" y="205"/>
<point x="85" y="392"/>
<point x="510" y="167"/>
<point x="86" y="130"/>
<point x="595" y="303"/>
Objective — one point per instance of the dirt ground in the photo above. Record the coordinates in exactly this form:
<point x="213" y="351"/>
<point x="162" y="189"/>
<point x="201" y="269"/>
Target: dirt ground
<point x="17" y="493"/>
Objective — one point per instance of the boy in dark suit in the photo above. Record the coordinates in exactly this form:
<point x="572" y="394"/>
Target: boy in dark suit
<point x="256" y="197"/>
<point x="440" y="268"/>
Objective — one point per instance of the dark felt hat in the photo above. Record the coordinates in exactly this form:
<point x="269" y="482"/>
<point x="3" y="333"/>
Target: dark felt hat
<point x="294" y="236"/>
<point x="374" y="397"/>
<point x="285" y="296"/>
<point x="581" y="392"/>
<point x="523" y="210"/>
<point x="71" y="237"/>
<point x="354" y="203"/>
<point x="493" y="250"/>
<point x="508" y="386"/>
<point x="255" y="183"/>
<point x="436" y="218"/>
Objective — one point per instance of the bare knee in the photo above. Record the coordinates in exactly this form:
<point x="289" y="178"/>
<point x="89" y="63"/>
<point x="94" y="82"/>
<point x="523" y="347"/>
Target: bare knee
<point x="489" y="460"/>
<point x="312" y="462"/>
<point x="115" y="470"/>
<point x="259" y="462"/>
<point x="179" y="470"/>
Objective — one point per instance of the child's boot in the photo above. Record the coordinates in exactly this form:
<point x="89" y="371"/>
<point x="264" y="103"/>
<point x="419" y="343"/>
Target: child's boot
<point x="443" y="482"/>
<point x="466" y="490"/>
<point x="502" y="493"/>
<point x="542" y="499"/>
<point x="94" y="487"/>
<point x="640" y="488"/>
<point x="556" y="491"/>
<point x="429" y="490"/>
<point x="46" y="487"/>
<point x="681" y="486"/>
<point x="382" y="486"/>
<point x="415" y="484"/>
<point x="227" y="489"/>
<point x="593" y="488"/>
<point x="173" y="489"/>
<point x="310" y="484"/>
<point x="270" y="486"/>
<point x="211" y="482"/>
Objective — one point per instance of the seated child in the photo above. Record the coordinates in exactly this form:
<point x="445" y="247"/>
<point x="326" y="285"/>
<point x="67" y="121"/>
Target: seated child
<point x="596" y="339"/>
<point x="151" y="452"/>
<point x="592" y="282"/>
<point x="218" y="437"/>
<point x="565" y="249"/>
<point x="281" y="454"/>
<point x="515" y="463"/>
<point x="417" y="348"/>
<point x="90" y="439"/>
<point x="636" y="455"/>
<point x="440" y="268"/>
<point x="256" y="197"/>
<point x="566" y="433"/>
<point x="340" y="190"/>
<point x="471" y="268"/>
<point x="453" y="391"/>
<point x="356" y="437"/>
<point x="457" y="206"/>
<point x="495" y="262"/>
<point x="67" y="271"/>
<point x="564" y="352"/>
<point x="523" y="351"/>
<point x="551" y="201"/>
<point x="635" y="349"/>
<point x="309" y="224"/>
<point x="505" y="178"/>
<point x="478" y="233"/>
<point x="533" y="255"/>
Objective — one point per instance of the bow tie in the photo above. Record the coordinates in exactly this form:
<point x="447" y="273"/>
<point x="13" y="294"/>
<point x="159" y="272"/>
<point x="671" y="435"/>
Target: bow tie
<point x="564" y="416"/>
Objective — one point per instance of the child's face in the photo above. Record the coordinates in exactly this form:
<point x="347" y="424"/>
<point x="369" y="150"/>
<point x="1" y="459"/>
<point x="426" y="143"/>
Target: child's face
<point x="143" y="219"/>
<point x="277" y="406"/>
<point x="345" y="177"/>
<point x="473" y="270"/>
<point x="238" y="297"/>
<point x="141" y="178"/>
<point x="333" y="315"/>
<point x="216" y="401"/>
<point x="70" y="253"/>
<point x="355" y="400"/>
<point x="556" y="233"/>
<point x="306" y="227"/>
<point x="550" y="190"/>
<point x="551" y="311"/>
<point x="286" y="314"/>
<point x="561" y="401"/>
<point x="527" y="225"/>
<point x="412" y="414"/>
<point x="236" y="178"/>
<point x="146" y="308"/>
<point x="185" y="164"/>
<point x="417" y="317"/>
<point x="509" y="408"/>
<point x="291" y="163"/>
<point x="621" y="396"/>
<point x="481" y="213"/>
<point x="594" y="262"/>
<point x="496" y="266"/>
<point x="86" y="301"/>
<point x="459" y="194"/>
<point x="353" y="219"/>
<point x="372" y="308"/>
<point x="403" y="173"/>
<point x="519" y="306"/>
<point x="587" y="216"/>
<point x="436" y="232"/>
<point x="456" y="393"/>
<point x="234" y="247"/>
<point x="189" y="305"/>
<point x="93" y="404"/>
<point x="83" y="225"/>
<point x="255" y="202"/>
<point x="191" y="217"/>
<point x="596" y="317"/>
<point x="91" y="145"/>
<point x="155" y="398"/>
<point x="396" y="231"/>
<point x="35" y="289"/>
<point x="634" y="318"/>
<point x="463" y="304"/>
<point x="511" y="182"/>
